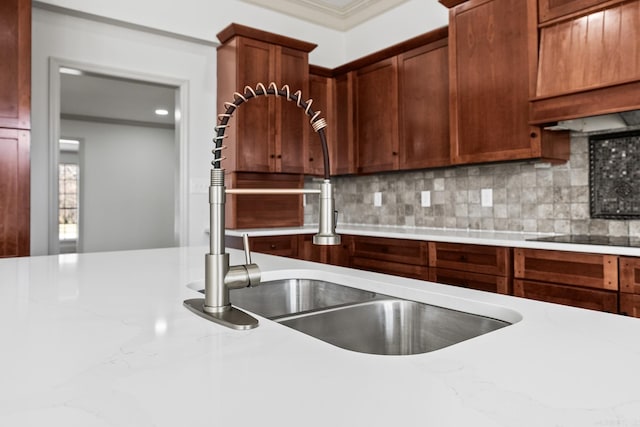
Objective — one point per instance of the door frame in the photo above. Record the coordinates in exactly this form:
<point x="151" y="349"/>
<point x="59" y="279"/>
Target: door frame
<point x="181" y="178"/>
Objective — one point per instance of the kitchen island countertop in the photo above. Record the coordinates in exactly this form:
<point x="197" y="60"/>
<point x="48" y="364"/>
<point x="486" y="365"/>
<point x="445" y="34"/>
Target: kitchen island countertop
<point x="102" y="339"/>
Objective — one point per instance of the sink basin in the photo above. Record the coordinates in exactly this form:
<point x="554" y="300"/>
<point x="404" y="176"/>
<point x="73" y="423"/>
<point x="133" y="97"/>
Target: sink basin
<point x="284" y="297"/>
<point x="393" y="327"/>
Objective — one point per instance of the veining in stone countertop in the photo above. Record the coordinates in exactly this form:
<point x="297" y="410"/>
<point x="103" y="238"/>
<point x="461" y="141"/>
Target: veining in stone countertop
<point x="451" y="235"/>
<point x="102" y="339"/>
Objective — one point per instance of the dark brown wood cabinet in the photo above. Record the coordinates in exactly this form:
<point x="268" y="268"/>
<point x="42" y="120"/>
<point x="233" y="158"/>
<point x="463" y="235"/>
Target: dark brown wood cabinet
<point x="15" y="124"/>
<point x="267" y="134"/>
<point x="486" y="268"/>
<point x="493" y="59"/>
<point x="400" y="257"/>
<point x="343" y="159"/>
<point x="321" y="91"/>
<point x="589" y="63"/>
<point x="570" y="278"/>
<point x="376" y="88"/>
<point x="630" y="286"/>
<point x="424" y="106"/>
<point x="264" y="210"/>
<point x="553" y="9"/>
<point x="286" y="245"/>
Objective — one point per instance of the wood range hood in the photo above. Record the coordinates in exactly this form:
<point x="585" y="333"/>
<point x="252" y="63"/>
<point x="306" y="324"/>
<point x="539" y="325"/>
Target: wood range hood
<point x="589" y="65"/>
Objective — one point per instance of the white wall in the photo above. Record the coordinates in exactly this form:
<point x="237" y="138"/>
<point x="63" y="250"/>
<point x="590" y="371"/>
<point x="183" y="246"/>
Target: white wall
<point x="204" y="19"/>
<point x="70" y="38"/>
<point x="126" y="183"/>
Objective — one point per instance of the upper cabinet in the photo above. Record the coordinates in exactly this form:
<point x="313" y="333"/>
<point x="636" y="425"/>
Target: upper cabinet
<point x="552" y="9"/>
<point x="15" y="64"/>
<point x="15" y="104"/>
<point x="267" y="134"/>
<point x="492" y="54"/>
<point x="589" y="60"/>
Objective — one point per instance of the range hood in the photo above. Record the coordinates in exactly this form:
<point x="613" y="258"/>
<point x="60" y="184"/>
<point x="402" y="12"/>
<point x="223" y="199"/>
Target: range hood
<point x="604" y="122"/>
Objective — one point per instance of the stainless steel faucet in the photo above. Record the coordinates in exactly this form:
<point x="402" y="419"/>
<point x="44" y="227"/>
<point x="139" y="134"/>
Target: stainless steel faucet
<point x="220" y="277"/>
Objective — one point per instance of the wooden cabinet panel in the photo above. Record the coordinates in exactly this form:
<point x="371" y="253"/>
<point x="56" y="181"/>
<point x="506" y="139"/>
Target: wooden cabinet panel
<point x="630" y="275"/>
<point x="393" y="250"/>
<point x="552" y="9"/>
<point x="593" y="299"/>
<point x="494" y="260"/>
<point x="270" y="210"/>
<point x="266" y="134"/>
<point x="376" y="112"/>
<point x="424" y="107"/>
<point x="343" y="160"/>
<point x="394" y="268"/>
<point x="15" y="64"/>
<point x="286" y="246"/>
<point x="309" y="252"/>
<point x="321" y="89"/>
<point x="599" y="49"/>
<point x="14" y="193"/>
<point x="292" y="68"/>
<point x="466" y="279"/>
<point x="630" y="304"/>
<point x="572" y="268"/>
<point x="493" y="57"/>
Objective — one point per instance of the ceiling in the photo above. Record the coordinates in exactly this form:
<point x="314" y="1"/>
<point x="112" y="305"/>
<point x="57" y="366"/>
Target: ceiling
<point x="337" y="14"/>
<point x="95" y="97"/>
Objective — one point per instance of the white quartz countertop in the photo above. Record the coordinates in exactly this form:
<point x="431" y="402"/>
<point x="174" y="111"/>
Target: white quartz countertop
<point x="102" y="339"/>
<point x="450" y="235"/>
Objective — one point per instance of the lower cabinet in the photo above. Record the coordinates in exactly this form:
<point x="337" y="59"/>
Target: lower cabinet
<point x="400" y="257"/>
<point x="569" y="278"/>
<point x="485" y="268"/>
<point x="630" y="286"/>
<point x="286" y="246"/>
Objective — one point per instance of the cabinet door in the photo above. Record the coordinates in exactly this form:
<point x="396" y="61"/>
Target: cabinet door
<point x="494" y="260"/>
<point x="630" y="304"/>
<point x="592" y="299"/>
<point x="572" y="268"/>
<point x="14" y="193"/>
<point x="309" y="252"/>
<point x="424" y="107"/>
<point x="551" y="9"/>
<point x="292" y="68"/>
<point x="342" y="150"/>
<point x="341" y="254"/>
<point x="376" y="116"/>
<point x="492" y="53"/>
<point x="630" y="275"/>
<point x="255" y="120"/>
<point x="15" y="64"/>
<point x="465" y="279"/>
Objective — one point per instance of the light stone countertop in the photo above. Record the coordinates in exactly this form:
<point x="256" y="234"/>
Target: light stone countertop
<point x="450" y="235"/>
<point x="102" y="339"/>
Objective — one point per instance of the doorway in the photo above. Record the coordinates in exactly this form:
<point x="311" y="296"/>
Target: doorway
<point x="128" y="162"/>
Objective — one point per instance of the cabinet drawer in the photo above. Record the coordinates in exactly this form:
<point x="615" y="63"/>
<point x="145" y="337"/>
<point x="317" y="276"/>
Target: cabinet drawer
<point x="493" y="260"/>
<point x="465" y="279"/>
<point x="593" y="299"/>
<point x="570" y="268"/>
<point x="630" y="275"/>
<point x="392" y="250"/>
<point x="630" y="304"/>
<point x="388" y="267"/>
<point x="274" y="245"/>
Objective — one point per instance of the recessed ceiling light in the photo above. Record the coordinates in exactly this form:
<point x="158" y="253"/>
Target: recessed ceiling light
<point x="162" y="112"/>
<point x="70" y="71"/>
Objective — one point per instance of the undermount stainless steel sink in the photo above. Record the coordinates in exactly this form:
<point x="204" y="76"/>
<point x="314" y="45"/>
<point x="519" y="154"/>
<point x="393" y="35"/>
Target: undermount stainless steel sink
<point x="284" y="297"/>
<point x="393" y="327"/>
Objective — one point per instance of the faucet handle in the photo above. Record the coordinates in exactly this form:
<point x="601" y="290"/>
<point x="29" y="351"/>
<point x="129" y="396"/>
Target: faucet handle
<point x="247" y="250"/>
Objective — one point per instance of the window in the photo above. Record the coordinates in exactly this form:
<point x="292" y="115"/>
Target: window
<point x="68" y="201"/>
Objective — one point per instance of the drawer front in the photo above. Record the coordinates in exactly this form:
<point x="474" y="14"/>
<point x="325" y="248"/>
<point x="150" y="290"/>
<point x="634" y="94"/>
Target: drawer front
<point x="630" y="275"/>
<point x="593" y="299"/>
<point x="394" y="250"/>
<point x="274" y="245"/>
<point x="465" y="279"/>
<point x="569" y="268"/>
<point x="493" y="260"/>
<point x="388" y="267"/>
<point x="630" y="304"/>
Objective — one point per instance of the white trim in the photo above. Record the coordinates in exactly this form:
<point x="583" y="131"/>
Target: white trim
<point x="181" y="134"/>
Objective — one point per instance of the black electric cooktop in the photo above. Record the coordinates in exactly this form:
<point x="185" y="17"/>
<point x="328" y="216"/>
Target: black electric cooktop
<point x="585" y="239"/>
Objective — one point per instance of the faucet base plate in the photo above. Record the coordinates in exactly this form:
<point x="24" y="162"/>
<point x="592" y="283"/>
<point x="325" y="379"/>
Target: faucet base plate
<point x="232" y="318"/>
